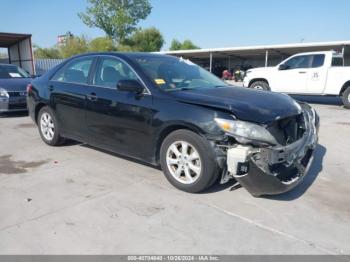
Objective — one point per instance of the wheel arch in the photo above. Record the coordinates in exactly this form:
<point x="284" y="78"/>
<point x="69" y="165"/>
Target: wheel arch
<point x="37" y="110"/>
<point x="344" y="87"/>
<point x="167" y="130"/>
<point x="256" y="80"/>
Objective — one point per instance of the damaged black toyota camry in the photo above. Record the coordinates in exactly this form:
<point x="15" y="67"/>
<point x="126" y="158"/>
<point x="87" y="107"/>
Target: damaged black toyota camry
<point x="170" y="112"/>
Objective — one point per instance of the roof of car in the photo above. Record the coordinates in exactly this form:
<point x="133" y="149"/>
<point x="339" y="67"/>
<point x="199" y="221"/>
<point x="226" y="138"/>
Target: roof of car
<point x="126" y="54"/>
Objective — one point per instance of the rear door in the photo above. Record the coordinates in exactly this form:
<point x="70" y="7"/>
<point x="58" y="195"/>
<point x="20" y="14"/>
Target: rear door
<point x="117" y="120"/>
<point x="69" y="89"/>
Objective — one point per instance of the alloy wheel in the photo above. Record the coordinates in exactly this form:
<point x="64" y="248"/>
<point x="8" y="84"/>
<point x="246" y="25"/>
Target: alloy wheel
<point x="184" y="162"/>
<point x="47" y="126"/>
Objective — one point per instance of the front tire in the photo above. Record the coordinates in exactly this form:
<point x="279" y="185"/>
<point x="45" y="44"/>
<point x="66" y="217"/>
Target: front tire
<point x="346" y="98"/>
<point x="260" y="85"/>
<point x="48" y="127"/>
<point x="188" y="161"/>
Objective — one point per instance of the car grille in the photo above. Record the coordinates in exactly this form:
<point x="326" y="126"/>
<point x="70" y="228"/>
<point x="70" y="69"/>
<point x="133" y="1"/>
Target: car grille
<point x="17" y="93"/>
<point x="288" y="130"/>
<point x="17" y="106"/>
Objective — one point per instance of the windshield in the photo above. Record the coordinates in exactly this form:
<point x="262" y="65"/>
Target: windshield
<point x="12" y="71"/>
<point x="172" y="73"/>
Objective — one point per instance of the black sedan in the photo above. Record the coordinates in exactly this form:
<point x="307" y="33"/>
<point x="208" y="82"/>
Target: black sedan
<point x="168" y="111"/>
<point x="13" y="84"/>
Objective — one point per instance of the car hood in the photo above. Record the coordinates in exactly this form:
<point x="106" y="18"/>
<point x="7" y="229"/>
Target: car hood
<point x="246" y="104"/>
<point x="258" y="69"/>
<point x="14" y="84"/>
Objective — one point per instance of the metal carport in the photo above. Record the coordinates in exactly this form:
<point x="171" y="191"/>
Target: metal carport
<point x="19" y="48"/>
<point x="256" y="56"/>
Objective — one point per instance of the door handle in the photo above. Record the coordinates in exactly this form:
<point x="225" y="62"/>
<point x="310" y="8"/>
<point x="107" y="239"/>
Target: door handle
<point x="51" y="88"/>
<point x="302" y="72"/>
<point x="92" y="97"/>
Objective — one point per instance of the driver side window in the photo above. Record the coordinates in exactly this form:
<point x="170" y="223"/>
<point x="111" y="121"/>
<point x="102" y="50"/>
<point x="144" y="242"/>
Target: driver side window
<point x="110" y="71"/>
<point x="303" y="61"/>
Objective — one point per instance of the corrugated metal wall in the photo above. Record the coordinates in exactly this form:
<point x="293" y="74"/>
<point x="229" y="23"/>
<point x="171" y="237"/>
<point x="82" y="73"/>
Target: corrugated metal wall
<point x="44" y="65"/>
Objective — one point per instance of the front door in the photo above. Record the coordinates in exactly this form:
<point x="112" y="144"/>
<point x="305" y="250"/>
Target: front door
<point x="117" y="120"/>
<point x="293" y="77"/>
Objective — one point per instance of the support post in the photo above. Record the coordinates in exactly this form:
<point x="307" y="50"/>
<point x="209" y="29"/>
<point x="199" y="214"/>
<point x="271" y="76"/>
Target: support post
<point x="211" y="62"/>
<point x="343" y="54"/>
<point x="266" y="58"/>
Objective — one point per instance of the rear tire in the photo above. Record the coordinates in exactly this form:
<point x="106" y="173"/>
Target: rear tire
<point x="260" y="85"/>
<point x="48" y="127"/>
<point x="188" y="161"/>
<point x="346" y="98"/>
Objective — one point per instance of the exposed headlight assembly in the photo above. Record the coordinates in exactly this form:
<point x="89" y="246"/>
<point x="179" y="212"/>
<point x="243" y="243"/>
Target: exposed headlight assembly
<point x="3" y="93"/>
<point x="246" y="132"/>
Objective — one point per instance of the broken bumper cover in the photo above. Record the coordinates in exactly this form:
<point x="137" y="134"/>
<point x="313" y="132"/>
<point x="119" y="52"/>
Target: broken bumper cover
<point x="279" y="169"/>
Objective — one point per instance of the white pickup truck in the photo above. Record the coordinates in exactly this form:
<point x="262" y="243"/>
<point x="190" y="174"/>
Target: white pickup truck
<point x="314" y="73"/>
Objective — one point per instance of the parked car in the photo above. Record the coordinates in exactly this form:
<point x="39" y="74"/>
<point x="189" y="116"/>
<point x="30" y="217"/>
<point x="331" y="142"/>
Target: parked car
<point x="314" y="73"/>
<point x="168" y="111"/>
<point x="13" y="83"/>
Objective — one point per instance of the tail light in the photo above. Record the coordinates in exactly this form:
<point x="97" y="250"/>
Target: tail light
<point x="29" y="88"/>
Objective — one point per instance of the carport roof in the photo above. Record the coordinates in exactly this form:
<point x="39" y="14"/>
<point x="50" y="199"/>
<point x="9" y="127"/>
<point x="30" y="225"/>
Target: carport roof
<point x="8" y="39"/>
<point x="252" y="51"/>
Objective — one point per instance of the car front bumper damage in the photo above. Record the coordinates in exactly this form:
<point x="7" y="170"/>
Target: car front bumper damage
<point x="275" y="170"/>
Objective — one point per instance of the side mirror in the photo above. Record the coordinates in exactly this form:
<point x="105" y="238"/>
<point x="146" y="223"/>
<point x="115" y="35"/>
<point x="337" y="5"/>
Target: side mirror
<point x="130" y="86"/>
<point x="283" y="67"/>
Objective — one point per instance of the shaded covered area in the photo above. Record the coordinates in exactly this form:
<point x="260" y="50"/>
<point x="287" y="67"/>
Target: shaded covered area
<point x="218" y="59"/>
<point x="19" y="48"/>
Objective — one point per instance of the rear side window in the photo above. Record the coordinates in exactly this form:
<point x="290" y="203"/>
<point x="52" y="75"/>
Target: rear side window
<point x="76" y="71"/>
<point x="318" y="61"/>
<point x="337" y="61"/>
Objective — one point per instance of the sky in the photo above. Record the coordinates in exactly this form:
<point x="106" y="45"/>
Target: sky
<point x="208" y="23"/>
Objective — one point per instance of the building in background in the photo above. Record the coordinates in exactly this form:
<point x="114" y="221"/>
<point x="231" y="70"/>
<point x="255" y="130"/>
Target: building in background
<point x="218" y="59"/>
<point x="19" y="50"/>
<point x="62" y="39"/>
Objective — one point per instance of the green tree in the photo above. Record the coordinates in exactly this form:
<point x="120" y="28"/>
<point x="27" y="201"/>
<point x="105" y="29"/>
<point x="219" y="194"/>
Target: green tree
<point x="146" y="40"/>
<point x="74" y="45"/>
<point x="175" y="45"/>
<point x="125" y="48"/>
<point x="100" y="44"/>
<point x="52" y="52"/>
<point x="117" y="18"/>
<point x="186" y="45"/>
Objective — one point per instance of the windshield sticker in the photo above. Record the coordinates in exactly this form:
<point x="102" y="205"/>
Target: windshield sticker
<point x="159" y="81"/>
<point x="14" y="75"/>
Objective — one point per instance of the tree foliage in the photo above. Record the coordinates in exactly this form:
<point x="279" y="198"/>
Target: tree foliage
<point x="52" y="52"/>
<point x="143" y="40"/>
<point x="185" y="45"/>
<point x="102" y="44"/>
<point x="117" y="18"/>
<point x="146" y="40"/>
<point x="73" y="46"/>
